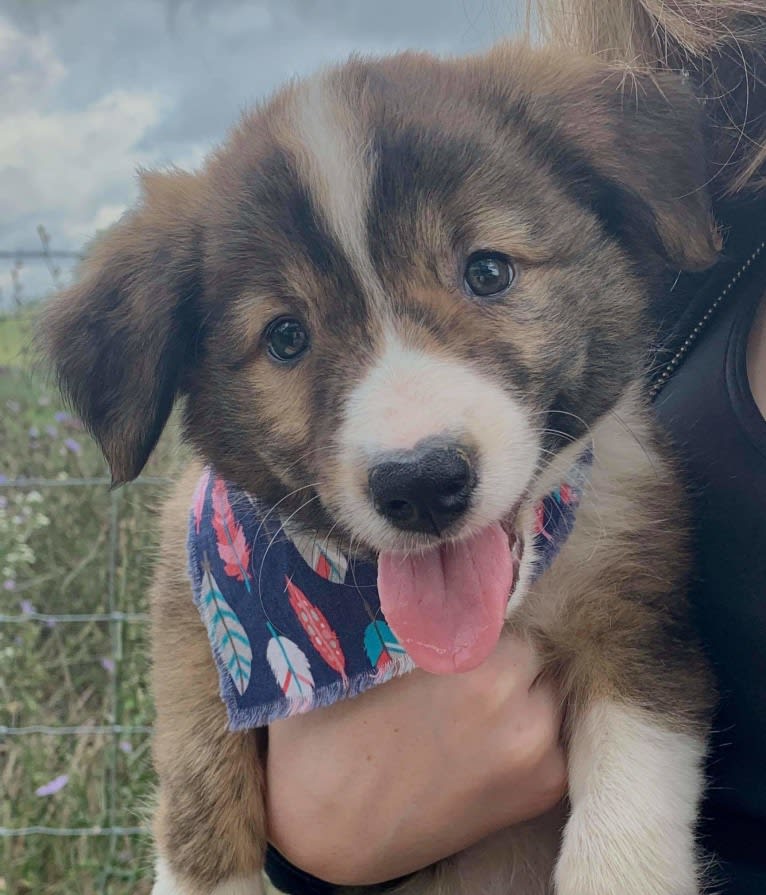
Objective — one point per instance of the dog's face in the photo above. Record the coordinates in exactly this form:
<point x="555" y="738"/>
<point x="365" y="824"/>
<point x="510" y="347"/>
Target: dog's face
<point x="397" y="293"/>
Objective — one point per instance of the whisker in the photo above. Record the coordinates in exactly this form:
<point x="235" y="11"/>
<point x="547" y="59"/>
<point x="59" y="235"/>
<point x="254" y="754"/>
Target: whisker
<point x="635" y="437"/>
<point x="357" y="586"/>
<point x="269" y="546"/>
<point x="281" y="501"/>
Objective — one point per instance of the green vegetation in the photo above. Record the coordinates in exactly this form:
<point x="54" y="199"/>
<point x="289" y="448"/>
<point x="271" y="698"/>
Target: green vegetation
<point x="69" y="547"/>
<point x="56" y="548"/>
<point x="15" y="337"/>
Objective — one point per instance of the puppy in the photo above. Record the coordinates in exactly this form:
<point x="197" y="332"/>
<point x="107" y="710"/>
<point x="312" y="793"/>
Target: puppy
<point x="407" y="258"/>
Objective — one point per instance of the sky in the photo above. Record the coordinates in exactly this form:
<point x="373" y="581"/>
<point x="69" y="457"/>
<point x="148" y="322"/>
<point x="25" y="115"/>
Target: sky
<point x="92" y="90"/>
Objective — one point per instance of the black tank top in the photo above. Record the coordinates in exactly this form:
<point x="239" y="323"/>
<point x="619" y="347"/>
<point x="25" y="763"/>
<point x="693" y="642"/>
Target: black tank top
<point x="703" y="399"/>
<point x="705" y="403"/>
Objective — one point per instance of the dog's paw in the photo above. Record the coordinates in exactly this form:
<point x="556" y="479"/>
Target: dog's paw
<point x="595" y="861"/>
<point x="634" y="787"/>
<point x="166" y="882"/>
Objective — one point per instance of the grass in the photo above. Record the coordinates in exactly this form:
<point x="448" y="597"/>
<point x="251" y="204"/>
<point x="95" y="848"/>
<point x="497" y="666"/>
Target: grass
<point x="15" y="334"/>
<point x="55" y="548"/>
<point x="57" y="543"/>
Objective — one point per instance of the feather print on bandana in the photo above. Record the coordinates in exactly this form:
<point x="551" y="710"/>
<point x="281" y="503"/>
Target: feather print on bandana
<point x="225" y="631"/>
<point x="326" y="561"/>
<point x="200" y="493"/>
<point x="232" y="546"/>
<point x="290" y="667"/>
<point x="313" y="632"/>
<point x="383" y="649"/>
<point x="322" y="637"/>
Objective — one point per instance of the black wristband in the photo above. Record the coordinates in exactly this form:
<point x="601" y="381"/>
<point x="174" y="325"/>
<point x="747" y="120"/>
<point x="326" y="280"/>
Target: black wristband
<point x="293" y="881"/>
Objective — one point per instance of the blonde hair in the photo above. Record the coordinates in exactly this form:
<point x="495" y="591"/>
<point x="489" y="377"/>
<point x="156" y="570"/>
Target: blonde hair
<point x="720" y="44"/>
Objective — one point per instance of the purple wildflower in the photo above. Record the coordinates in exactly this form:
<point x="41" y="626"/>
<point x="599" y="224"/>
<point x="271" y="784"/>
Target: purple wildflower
<point x="107" y="664"/>
<point x="74" y="446"/>
<point x="9" y="584"/>
<point x="34" y="432"/>
<point x="62" y="417"/>
<point x="49" y="789"/>
<point x="27" y="607"/>
<point x="126" y="747"/>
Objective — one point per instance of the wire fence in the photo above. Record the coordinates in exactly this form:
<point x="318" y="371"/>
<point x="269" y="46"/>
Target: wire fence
<point x="114" y="618"/>
<point x="76" y="778"/>
<point x="75" y="561"/>
<point x="114" y="730"/>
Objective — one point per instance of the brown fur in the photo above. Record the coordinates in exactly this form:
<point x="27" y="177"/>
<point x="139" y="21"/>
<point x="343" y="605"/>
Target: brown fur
<point x="597" y="198"/>
<point x="216" y="775"/>
<point x="719" y="43"/>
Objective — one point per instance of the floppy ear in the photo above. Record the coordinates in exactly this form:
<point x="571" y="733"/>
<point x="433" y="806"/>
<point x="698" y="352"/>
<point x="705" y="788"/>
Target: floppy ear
<point x="630" y="145"/>
<point x="119" y="338"/>
<point x="645" y="134"/>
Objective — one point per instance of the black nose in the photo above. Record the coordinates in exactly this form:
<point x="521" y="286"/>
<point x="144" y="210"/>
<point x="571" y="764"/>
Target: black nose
<point x="425" y="489"/>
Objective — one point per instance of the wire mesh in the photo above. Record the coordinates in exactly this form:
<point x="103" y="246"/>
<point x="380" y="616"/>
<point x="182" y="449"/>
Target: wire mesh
<point x="81" y="600"/>
<point x="113" y="728"/>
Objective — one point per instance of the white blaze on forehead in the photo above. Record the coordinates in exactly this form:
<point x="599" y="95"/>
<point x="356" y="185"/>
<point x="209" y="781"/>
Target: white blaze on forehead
<point x="409" y="395"/>
<point x="336" y="161"/>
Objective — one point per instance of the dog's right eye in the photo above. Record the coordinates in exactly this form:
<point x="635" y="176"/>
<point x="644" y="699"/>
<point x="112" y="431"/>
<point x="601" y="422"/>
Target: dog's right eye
<point x="286" y="339"/>
<point x="488" y="274"/>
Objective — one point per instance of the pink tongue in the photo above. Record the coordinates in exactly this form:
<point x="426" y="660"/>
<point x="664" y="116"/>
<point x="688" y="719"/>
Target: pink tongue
<point x="447" y="605"/>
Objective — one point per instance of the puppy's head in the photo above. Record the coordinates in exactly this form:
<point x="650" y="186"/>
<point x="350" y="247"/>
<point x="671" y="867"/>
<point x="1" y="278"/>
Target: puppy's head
<point x="397" y="293"/>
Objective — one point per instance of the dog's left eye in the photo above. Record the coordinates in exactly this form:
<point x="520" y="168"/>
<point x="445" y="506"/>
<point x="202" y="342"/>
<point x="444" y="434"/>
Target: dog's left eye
<point x="488" y="274"/>
<point x="287" y="339"/>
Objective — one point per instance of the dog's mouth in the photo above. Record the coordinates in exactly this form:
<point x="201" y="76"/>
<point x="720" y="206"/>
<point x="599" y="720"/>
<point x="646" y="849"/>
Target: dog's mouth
<point x="447" y="604"/>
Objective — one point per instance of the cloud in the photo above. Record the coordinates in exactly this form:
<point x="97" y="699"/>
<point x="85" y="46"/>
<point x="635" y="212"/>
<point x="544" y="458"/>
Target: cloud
<point x="70" y="169"/>
<point x="28" y="69"/>
<point x="89" y="91"/>
<point x="68" y="166"/>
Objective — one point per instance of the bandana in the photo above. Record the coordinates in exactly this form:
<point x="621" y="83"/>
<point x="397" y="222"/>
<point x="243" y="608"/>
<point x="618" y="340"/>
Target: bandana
<point x="293" y="623"/>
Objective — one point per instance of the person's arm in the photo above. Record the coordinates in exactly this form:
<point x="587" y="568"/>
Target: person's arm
<point x="376" y="787"/>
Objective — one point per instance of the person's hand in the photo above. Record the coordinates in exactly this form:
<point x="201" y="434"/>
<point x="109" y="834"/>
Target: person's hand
<point x="410" y="772"/>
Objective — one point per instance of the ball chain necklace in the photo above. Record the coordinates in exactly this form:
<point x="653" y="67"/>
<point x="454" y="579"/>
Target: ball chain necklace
<point x="678" y="358"/>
